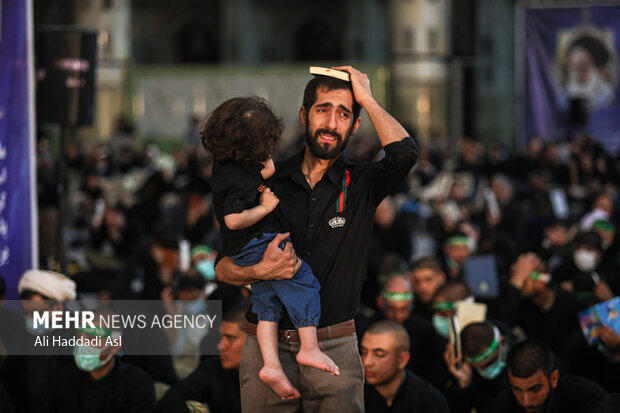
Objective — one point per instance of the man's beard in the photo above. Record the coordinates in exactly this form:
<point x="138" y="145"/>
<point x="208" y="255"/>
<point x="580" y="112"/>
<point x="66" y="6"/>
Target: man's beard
<point x="324" y="150"/>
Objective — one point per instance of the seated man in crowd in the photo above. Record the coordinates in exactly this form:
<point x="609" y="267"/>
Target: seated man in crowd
<point x="389" y="386"/>
<point x="545" y="312"/>
<point x="25" y="376"/>
<point x="455" y="250"/>
<point x="98" y="381"/>
<point x="482" y="371"/>
<point x="395" y="303"/>
<point x="426" y="277"/>
<point x="444" y="304"/>
<point x="536" y="385"/>
<point x="216" y="380"/>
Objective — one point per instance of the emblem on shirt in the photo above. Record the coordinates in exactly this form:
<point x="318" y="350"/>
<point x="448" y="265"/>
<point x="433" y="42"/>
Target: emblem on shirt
<point x="337" y="222"/>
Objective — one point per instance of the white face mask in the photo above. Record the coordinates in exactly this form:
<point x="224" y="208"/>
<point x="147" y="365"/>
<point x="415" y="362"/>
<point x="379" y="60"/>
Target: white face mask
<point x="585" y="260"/>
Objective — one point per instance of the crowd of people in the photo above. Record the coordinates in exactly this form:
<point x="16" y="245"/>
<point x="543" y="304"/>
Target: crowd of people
<point x="546" y="215"/>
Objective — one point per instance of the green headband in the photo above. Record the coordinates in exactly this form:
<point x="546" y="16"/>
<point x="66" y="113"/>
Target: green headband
<point x="459" y="240"/>
<point x="604" y="226"/>
<point x="444" y="305"/>
<point x="484" y="355"/>
<point x="200" y="249"/>
<point x="96" y="331"/>
<point x="534" y="275"/>
<point x="389" y="296"/>
<point x="537" y="276"/>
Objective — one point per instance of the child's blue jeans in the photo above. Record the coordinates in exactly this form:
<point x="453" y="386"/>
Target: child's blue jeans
<point x="300" y="294"/>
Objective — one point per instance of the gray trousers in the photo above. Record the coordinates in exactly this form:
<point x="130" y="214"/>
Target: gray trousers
<point x="320" y="391"/>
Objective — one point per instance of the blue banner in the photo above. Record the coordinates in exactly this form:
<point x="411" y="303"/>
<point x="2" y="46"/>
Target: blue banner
<point x="571" y="57"/>
<point x="18" y="232"/>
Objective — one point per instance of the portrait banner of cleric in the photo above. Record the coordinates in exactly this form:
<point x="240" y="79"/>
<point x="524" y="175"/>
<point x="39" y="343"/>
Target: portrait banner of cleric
<point x="586" y="66"/>
<point x="324" y="208"/>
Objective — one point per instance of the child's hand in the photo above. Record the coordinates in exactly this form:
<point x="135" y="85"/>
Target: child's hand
<point x="269" y="169"/>
<point x="268" y="199"/>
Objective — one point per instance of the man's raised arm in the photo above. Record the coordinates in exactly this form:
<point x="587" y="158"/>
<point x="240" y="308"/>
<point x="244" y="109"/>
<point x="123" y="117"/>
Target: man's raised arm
<point x="388" y="129"/>
<point x="276" y="264"/>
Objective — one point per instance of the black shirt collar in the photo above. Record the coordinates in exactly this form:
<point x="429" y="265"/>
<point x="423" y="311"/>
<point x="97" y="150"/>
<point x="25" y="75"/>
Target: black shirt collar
<point x="292" y="168"/>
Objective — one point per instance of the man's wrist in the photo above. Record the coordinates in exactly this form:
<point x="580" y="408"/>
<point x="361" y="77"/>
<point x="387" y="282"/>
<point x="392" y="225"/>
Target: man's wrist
<point x="256" y="272"/>
<point x="368" y="102"/>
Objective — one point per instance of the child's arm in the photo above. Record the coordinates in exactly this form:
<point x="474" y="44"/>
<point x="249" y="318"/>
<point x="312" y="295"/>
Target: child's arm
<point x="269" y="169"/>
<point x="266" y="203"/>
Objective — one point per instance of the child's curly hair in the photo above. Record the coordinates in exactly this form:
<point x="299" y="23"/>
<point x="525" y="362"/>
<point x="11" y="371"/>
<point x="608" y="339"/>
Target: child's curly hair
<point x="242" y="129"/>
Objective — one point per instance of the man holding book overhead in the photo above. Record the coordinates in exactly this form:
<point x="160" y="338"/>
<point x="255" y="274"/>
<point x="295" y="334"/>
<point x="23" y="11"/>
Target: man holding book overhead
<point x="328" y="205"/>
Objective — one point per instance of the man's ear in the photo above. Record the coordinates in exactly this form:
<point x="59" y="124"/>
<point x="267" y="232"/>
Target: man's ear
<point x="443" y="277"/>
<point x="555" y="376"/>
<point x="303" y="116"/>
<point x="356" y="125"/>
<point x="379" y="301"/>
<point x="403" y="359"/>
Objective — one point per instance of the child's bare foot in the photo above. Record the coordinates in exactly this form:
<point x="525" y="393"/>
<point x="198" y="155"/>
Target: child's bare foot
<point x="277" y="380"/>
<point x="316" y="358"/>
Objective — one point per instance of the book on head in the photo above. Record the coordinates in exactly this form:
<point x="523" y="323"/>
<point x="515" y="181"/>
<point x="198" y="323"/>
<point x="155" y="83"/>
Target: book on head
<point x="324" y="71"/>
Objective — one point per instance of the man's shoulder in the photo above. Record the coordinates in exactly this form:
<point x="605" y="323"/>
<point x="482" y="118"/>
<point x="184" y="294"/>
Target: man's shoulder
<point x="417" y="384"/>
<point x="571" y="383"/>
<point x="424" y="393"/>
<point x="504" y="402"/>
<point x="287" y="166"/>
<point x="132" y="373"/>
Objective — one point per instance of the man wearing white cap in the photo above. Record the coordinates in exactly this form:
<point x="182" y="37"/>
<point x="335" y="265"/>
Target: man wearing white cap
<point x="38" y="289"/>
<point x="25" y="376"/>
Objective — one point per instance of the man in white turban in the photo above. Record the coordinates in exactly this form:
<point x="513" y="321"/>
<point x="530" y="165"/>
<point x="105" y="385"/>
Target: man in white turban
<point x="25" y="377"/>
<point x="42" y="290"/>
<point x="47" y="284"/>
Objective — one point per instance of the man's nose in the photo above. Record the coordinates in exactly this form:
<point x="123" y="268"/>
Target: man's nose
<point x="526" y="399"/>
<point x="332" y="121"/>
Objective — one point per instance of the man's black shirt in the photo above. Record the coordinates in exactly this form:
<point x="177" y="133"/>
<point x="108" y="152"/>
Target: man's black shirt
<point x="571" y="395"/>
<point x="210" y="383"/>
<point x="335" y="241"/>
<point x="125" y="388"/>
<point x="414" y="395"/>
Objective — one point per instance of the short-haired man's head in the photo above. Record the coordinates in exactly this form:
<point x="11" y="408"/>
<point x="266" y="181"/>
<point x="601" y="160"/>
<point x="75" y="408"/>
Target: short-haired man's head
<point x="426" y="277"/>
<point x="528" y="357"/>
<point x="242" y="129"/>
<point x="476" y="339"/>
<point x="327" y="83"/>
<point x="236" y="315"/>
<point x="532" y="375"/>
<point x="396" y="299"/>
<point x="455" y="247"/>
<point x="189" y="286"/>
<point x="393" y="329"/>
<point x="233" y="337"/>
<point x="448" y="294"/>
<point x="385" y="353"/>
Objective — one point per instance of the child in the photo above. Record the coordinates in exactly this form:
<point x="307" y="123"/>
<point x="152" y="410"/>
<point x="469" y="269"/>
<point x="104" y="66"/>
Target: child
<point x="241" y="134"/>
